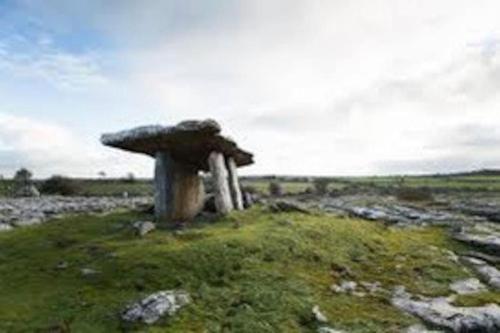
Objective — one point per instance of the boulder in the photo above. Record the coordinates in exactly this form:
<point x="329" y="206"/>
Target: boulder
<point x="150" y="309"/>
<point x="143" y="227"/>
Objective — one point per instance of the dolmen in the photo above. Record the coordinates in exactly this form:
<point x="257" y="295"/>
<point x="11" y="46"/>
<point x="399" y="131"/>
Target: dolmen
<point x="182" y="152"/>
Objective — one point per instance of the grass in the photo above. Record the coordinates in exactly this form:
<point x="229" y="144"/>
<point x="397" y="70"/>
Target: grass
<point x="261" y="277"/>
<point x="116" y="187"/>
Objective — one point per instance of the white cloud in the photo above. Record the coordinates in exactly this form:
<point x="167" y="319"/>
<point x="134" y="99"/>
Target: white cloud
<point x="23" y="57"/>
<point x="48" y="148"/>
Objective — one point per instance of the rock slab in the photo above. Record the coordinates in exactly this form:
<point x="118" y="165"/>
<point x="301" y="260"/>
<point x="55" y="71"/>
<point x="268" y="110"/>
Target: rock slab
<point x="152" y="308"/>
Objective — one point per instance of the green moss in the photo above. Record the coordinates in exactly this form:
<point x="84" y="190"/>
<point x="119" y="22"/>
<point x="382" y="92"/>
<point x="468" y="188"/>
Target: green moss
<point x="261" y="277"/>
<point x="490" y="297"/>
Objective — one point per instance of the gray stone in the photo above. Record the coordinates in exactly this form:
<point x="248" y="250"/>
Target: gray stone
<point x="222" y="194"/>
<point x="152" y="308"/>
<point x="345" y="287"/>
<point x="5" y="227"/>
<point x="438" y="312"/>
<point x="489" y="274"/>
<point x="144" y="227"/>
<point x="234" y="184"/>
<point x="318" y="315"/>
<point x="189" y="141"/>
<point x="20" y="212"/>
<point x="89" y="272"/>
<point x="482" y="236"/>
<point x="417" y="328"/>
<point x="468" y="286"/>
<point x="326" y="329"/>
<point x="179" y="192"/>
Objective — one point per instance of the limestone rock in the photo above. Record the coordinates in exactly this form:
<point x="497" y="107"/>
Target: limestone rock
<point x="143" y="227"/>
<point x="345" y="287"/>
<point x="484" y="236"/>
<point x="417" y="328"/>
<point x="20" y="212"/>
<point x="88" y="272"/>
<point x="5" y="227"/>
<point x="468" y="286"/>
<point x="438" y="312"/>
<point x="326" y="329"/>
<point x="152" y="308"/>
<point x="488" y="274"/>
<point x="318" y="315"/>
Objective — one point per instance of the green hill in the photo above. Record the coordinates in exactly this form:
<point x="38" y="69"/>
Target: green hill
<point x="263" y="276"/>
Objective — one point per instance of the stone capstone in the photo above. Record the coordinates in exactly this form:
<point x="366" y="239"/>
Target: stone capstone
<point x="189" y="142"/>
<point x="152" y="308"/>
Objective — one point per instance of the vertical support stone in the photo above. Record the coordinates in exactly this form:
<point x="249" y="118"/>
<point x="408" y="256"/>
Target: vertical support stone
<point x="222" y="194"/>
<point x="164" y="179"/>
<point x="234" y="184"/>
<point x="179" y="191"/>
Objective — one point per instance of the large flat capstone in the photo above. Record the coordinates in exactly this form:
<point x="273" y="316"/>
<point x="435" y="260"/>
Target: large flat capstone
<point x="189" y="142"/>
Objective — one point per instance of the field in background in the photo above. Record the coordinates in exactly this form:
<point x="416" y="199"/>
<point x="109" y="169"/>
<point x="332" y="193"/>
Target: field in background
<point x="293" y="185"/>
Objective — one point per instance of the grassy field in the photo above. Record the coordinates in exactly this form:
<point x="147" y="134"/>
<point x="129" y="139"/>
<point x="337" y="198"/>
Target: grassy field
<point x="116" y="187"/>
<point x="264" y="276"/>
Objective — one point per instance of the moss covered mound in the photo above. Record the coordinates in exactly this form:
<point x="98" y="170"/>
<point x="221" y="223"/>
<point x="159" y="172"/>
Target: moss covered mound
<point x="263" y="276"/>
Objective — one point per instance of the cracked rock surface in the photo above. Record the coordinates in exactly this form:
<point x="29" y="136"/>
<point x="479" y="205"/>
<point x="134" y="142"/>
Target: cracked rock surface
<point x="19" y="212"/>
<point x="438" y="312"/>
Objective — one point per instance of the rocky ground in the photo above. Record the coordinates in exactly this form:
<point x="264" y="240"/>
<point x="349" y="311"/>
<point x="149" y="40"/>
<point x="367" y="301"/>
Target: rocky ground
<point x="470" y="220"/>
<point x="17" y="212"/>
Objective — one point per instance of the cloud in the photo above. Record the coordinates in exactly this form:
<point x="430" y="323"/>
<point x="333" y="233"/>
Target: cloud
<point x="312" y="87"/>
<point x="48" y="148"/>
<point x="29" y="57"/>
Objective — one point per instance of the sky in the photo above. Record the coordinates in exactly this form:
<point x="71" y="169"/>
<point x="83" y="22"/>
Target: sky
<point x="311" y="87"/>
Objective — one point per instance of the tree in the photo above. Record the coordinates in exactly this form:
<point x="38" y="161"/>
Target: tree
<point x="23" y="176"/>
<point x="60" y="185"/>
<point x="275" y="188"/>
<point x="321" y="185"/>
<point x="130" y="178"/>
<point x="101" y="174"/>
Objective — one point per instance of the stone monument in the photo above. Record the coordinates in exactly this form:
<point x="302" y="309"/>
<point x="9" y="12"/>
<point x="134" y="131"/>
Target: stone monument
<point x="181" y="153"/>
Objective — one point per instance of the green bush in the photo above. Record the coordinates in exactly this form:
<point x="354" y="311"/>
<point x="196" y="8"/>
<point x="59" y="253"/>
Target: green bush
<point x="275" y="188"/>
<point x="321" y="185"/>
<point x="60" y="185"/>
<point x="414" y="194"/>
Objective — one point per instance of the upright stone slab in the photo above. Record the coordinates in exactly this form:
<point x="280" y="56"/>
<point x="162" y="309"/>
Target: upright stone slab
<point x="179" y="192"/>
<point x="163" y="181"/>
<point x="234" y="184"/>
<point x="222" y="194"/>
